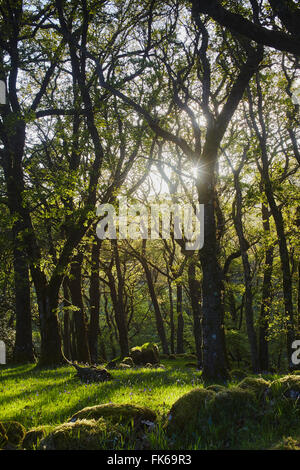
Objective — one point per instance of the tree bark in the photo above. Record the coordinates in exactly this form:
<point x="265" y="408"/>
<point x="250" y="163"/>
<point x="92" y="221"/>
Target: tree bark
<point x="278" y="219"/>
<point x="266" y="296"/>
<point x="195" y="294"/>
<point x="23" y="348"/>
<point x="117" y="293"/>
<point x="172" y="326"/>
<point x="75" y="283"/>
<point x="180" y="321"/>
<point x="94" y="328"/>
<point x="67" y="325"/>
<point x="214" y="358"/>
<point x="158" y="316"/>
<point x="237" y="218"/>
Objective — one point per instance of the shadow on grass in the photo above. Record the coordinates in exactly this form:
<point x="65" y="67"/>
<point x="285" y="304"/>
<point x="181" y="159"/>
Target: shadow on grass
<point x="41" y="402"/>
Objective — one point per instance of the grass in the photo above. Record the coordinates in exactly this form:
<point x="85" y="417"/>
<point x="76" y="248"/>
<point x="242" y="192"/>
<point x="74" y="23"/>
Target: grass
<point x="50" y="396"/>
<point x="34" y="397"/>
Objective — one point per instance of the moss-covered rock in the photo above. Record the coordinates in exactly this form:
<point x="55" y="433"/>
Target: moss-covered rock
<point x="154" y="366"/>
<point x="12" y="433"/>
<point x="187" y="411"/>
<point x="116" y="413"/>
<point x="257" y="385"/>
<point x="147" y="353"/>
<point x="3" y="436"/>
<point x="288" y="443"/>
<point x="128" y="361"/>
<point x="113" y="363"/>
<point x="233" y="403"/>
<point x="82" y="435"/>
<point x="149" y="365"/>
<point x="124" y="366"/>
<point x="287" y="386"/>
<point x="34" y="436"/>
<point x="216" y="388"/>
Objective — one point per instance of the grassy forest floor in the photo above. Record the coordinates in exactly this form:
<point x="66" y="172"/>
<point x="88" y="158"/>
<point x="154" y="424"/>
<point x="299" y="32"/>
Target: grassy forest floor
<point x="33" y="397"/>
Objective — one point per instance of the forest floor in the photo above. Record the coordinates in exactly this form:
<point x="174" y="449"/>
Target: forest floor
<point x="34" y="397"/>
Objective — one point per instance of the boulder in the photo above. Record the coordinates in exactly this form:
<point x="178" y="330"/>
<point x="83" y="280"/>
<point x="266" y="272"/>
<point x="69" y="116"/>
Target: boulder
<point x="288" y="443"/>
<point x="34" y="436"/>
<point x="12" y="434"/>
<point x="123" y="366"/>
<point x="128" y="361"/>
<point x="116" y="413"/>
<point x="92" y="374"/>
<point x="287" y="387"/>
<point x="187" y="412"/>
<point x="3" y="436"/>
<point x="147" y="353"/>
<point x="82" y="435"/>
<point x="257" y="385"/>
<point x="216" y="388"/>
<point x="232" y="404"/>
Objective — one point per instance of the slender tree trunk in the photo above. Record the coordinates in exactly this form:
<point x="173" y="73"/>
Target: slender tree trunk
<point x="195" y="294"/>
<point x="266" y="296"/>
<point x="298" y="306"/>
<point x="237" y="217"/>
<point x="67" y="326"/>
<point x="111" y="334"/>
<point x="158" y="316"/>
<point x="73" y="339"/>
<point x="75" y="283"/>
<point x="286" y="270"/>
<point x="94" y="329"/>
<point x="117" y="293"/>
<point x="278" y="219"/>
<point x="180" y="321"/>
<point x="172" y="326"/>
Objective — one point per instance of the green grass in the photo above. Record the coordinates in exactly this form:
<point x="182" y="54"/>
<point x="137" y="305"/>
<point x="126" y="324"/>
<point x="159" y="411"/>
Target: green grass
<point x="50" y="396"/>
<point x="34" y="397"/>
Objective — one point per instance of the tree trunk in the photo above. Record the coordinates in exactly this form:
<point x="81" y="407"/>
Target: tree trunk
<point x="158" y="316"/>
<point x="117" y="293"/>
<point x="23" y="348"/>
<point x="266" y="297"/>
<point x="172" y="326"/>
<point x="110" y="327"/>
<point x="51" y="351"/>
<point x="214" y="355"/>
<point x="180" y="321"/>
<point x="195" y="294"/>
<point x="67" y="326"/>
<point x="94" y="329"/>
<point x="279" y="223"/>
<point x="75" y="283"/>
<point x="238" y="224"/>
